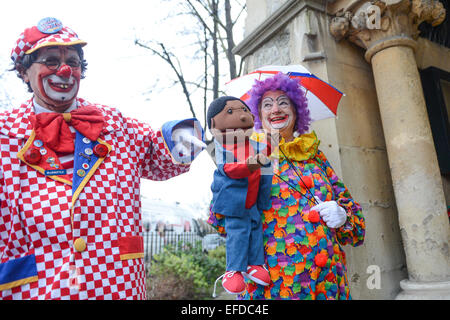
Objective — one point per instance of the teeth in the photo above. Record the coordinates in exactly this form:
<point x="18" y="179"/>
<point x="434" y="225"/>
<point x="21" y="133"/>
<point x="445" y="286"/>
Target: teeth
<point x="62" y="86"/>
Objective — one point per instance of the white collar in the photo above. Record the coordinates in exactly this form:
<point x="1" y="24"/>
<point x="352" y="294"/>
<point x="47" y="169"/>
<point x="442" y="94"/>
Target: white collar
<point x="40" y="109"/>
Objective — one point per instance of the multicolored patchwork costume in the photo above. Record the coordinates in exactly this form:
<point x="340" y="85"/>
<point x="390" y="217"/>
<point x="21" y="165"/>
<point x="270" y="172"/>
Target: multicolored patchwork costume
<point x="303" y="255"/>
<point x="80" y="236"/>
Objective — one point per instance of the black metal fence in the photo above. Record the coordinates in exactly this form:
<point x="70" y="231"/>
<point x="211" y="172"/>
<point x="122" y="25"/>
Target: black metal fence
<point x="154" y="241"/>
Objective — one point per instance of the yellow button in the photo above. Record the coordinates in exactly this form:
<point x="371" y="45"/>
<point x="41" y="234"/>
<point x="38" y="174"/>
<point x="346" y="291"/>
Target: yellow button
<point x="80" y="245"/>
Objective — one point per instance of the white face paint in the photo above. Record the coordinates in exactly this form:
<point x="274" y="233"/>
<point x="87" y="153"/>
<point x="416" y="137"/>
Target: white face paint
<point x="277" y="112"/>
<point x="280" y="122"/>
<point x="60" y="89"/>
<point x="54" y="89"/>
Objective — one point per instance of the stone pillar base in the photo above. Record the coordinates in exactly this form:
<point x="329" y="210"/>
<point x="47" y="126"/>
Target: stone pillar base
<point x="412" y="290"/>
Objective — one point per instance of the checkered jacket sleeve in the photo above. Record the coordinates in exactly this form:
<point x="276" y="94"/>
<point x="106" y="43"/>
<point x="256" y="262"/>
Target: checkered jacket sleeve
<point x="5" y="221"/>
<point x="154" y="158"/>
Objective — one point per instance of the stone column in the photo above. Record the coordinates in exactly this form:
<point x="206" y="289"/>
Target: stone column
<point x="387" y="31"/>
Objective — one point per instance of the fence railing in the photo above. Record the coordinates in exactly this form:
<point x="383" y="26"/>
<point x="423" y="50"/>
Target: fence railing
<point x="155" y="241"/>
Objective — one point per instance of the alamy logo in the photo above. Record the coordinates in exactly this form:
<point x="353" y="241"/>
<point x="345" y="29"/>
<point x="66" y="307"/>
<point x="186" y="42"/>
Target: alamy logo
<point x="367" y="17"/>
<point x="374" y="280"/>
<point x="74" y="274"/>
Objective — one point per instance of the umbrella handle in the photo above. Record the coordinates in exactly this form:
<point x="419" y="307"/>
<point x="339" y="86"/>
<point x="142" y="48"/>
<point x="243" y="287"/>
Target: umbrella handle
<point x="291" y="165"/>
<point x="294" y="188"/>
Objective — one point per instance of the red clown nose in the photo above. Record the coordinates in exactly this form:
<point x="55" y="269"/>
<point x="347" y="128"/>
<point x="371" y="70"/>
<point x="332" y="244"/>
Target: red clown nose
<point x="64" y="72"/>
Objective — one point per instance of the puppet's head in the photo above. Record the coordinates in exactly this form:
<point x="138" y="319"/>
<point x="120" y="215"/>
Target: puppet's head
<point x="226" y="115"/>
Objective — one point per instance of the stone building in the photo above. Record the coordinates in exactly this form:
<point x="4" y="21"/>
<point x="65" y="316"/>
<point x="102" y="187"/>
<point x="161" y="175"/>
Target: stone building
<point x="390" y="141"/>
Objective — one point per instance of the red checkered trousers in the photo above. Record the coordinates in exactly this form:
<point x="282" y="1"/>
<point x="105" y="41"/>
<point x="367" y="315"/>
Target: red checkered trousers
<point x="37" y="217"/>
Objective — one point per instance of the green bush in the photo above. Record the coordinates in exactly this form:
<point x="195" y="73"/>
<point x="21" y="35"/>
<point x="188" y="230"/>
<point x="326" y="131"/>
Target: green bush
<point x="185" y="273"/>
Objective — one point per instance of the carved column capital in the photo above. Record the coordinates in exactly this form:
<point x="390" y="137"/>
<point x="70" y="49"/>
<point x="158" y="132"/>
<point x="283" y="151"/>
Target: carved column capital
<point x="375" y="25"/>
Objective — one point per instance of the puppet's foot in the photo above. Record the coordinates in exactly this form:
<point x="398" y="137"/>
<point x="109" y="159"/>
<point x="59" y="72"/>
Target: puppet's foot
<point x="233" y="282"/>
<point x="258" y="274"/>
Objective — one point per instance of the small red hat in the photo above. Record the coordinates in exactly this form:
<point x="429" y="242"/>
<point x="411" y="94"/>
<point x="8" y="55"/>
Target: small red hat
<point x="48" y="32"/>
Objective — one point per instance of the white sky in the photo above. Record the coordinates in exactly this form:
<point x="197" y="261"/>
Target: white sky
<point x="119" y="74"/>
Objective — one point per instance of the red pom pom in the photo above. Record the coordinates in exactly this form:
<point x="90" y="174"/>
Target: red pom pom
<point x="32" y="156"/>
<point x="101" y="150"/>
<point x="321" y="259"/>
<point x="306" y="182"/>
<point x="313" y="216"/>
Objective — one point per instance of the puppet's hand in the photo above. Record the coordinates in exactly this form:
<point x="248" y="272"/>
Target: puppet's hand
<point x="256" y="162"/>
<point x="333" y="214"/>
<point x="262" y="159"/>
<point x="252" y="164"/>
<point x="187" y="144"/>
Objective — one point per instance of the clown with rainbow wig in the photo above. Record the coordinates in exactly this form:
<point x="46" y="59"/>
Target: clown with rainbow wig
<point x="312" y="213"/>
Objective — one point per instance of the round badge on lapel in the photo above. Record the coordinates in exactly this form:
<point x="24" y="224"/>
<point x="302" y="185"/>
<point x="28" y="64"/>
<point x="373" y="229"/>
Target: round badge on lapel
<point x="100" y="150"/>
<point x="38" y="143"/>
<point x="81" y="173"/>
<point x="32" y="156"/>
<point x="86" y="140"/>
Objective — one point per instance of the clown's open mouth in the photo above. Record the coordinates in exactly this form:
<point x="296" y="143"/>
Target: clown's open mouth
<point x="279" y="119"/>
<point x="60" y="86"/>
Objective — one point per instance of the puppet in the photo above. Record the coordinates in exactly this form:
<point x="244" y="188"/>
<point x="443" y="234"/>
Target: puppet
<point x="241" y="190"/>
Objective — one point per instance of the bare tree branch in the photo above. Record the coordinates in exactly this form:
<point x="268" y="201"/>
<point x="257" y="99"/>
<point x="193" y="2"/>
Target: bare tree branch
<point x="211" y="12"/>
<point x="205" y="71"/>
<point x="195" y="13"/>
<point x="230" y="40"/>
<point x="215" y="40"/>
<point x="244" y="7"/>
<point x="166" y="56"/>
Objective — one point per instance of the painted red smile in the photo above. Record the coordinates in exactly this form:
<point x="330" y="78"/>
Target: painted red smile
<point x="279" y="119"/>
<point x="60" y="87"/>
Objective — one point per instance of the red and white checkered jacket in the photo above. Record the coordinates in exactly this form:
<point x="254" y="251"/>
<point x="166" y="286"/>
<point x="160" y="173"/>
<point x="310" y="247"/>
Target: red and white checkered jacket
<point x="80" y="237"/>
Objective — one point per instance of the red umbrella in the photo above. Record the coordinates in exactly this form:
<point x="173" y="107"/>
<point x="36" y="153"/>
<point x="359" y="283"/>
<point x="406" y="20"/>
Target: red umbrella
<point x="323" y="98"/>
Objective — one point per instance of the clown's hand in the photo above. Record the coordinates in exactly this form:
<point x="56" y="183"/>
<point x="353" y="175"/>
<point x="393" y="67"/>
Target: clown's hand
<point x="333" y="214"/>
<point x="188" y="143"/>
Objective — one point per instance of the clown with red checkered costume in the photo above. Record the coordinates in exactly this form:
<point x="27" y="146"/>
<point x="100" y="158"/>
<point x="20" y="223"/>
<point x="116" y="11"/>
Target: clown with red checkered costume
<point x="70" y="217"/>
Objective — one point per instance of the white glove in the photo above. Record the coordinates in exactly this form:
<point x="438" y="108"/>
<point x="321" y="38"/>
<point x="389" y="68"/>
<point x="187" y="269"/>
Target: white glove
<point x="333" y="214"/>
<point x="187" y="144"/>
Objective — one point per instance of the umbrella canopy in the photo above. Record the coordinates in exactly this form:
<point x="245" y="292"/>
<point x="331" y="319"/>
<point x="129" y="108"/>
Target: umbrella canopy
<point x="323" y="99"/>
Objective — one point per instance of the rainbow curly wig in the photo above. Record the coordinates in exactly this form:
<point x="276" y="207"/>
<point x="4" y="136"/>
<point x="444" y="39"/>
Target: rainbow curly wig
<point x="295" y="93"/>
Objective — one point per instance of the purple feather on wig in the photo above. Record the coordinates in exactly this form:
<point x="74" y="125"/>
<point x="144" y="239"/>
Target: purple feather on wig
<point x="292" y="89"/>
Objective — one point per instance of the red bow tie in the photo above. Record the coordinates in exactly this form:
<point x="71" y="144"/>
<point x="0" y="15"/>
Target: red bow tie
<point x="53" y="130"/>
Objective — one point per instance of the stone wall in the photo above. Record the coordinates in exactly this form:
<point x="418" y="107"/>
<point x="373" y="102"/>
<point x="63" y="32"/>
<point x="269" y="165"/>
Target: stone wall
<point x="365" y="170"/>
<point x="259" y="11"/>
<point x="430" y="54"/>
